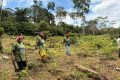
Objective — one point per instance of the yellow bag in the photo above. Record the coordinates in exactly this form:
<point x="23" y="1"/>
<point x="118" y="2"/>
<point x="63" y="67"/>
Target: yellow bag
<point x="43" y="53"/>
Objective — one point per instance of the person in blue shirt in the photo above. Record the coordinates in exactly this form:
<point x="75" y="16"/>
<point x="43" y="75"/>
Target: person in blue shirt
<point x="67" y="44"/>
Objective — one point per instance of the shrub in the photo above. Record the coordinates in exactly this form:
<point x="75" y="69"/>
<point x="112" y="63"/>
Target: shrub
<point x="74" y="38"/>
<point x="97" y="45"/>
<point x="9" y="27"/>
<point x="1" y="31"/>
<point x="27" y="28"/>
<point x="43" y="26"/>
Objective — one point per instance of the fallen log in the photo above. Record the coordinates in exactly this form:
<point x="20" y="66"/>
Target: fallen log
<point x="95" y="75"/>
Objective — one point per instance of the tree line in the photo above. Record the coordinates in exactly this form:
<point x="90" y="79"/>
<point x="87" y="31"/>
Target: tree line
<point x="36" y="18"/>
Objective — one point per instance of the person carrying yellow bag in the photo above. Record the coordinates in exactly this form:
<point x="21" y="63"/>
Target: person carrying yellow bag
<point x="40" y="43"/>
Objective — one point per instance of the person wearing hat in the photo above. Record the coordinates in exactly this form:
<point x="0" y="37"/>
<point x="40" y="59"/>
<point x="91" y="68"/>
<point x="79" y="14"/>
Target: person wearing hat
<point x="18" y="53"/>
<point x="67" y="44"/>
<point x="40" y="43"/>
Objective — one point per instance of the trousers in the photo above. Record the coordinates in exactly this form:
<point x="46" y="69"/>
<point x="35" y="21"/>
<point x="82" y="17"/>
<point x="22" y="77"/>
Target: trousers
<point x="21" y="65"/>
<point x="68" y="50"/>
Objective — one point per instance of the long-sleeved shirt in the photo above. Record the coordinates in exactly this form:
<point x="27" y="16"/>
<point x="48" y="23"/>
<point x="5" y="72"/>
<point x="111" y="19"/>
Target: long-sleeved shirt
<point x="19" y="52"/>
<point x="118" y="42"/>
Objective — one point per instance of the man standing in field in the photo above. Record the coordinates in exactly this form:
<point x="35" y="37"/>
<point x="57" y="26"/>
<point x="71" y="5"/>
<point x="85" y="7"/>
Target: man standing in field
<point x="40" y="43"/>
<point x="67" y="43"/>
<point x="18" y="53"/>
<point x="118" y="43"/>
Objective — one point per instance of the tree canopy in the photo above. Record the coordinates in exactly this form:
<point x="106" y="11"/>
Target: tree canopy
<point x="38" y="18"/>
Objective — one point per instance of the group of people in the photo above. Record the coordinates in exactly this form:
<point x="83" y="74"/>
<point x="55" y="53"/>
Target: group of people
<point x="19" y="54"/>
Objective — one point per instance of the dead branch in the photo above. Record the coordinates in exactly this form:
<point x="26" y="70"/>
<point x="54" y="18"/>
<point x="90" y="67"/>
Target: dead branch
<point x="97" y="75"/>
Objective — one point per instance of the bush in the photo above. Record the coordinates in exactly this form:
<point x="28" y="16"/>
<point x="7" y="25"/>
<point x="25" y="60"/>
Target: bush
<point x="43" y="26"/>
<point x="57" y="31"/>
<point x="27" y="28"/>
<point x="13" y="28"/>
<point x="1" y="31"/>
<point x="9" y="27"/>
<point x="98" y="45"/>
<point x="74" y="38"/>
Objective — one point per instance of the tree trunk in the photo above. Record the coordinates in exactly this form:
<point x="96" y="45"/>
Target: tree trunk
<point x="83" y="30"/>
<point x="95" y="74"/>
<point x="1" y="11"/>
<point x="83" y="25"/>
<point x="93" y="32"/>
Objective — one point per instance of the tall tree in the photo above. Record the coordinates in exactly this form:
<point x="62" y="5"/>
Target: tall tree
<point x="21" y="15"/>
<point x="60" y="13"/>
<point x="45" y="15"/>
<point x="36" y="6"/>
<point x="73" y="15"/>
<point x="1" y="3"/>
<point x="102" y="23"/>
<point x="82" y="7"/>
<point x="39" y="13"/>
<point x="51" y="6"/>
<point x="93" y="26"/>
<point x="8" y="14"/>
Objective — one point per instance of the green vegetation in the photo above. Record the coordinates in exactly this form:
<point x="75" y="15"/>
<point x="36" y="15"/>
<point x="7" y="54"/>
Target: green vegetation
<point x="1" y="31"/>
<point x="94" y="48"/>
<point x="97" y="45"/>
<point x="91" y="51"/>
<point x="37" y="18"/>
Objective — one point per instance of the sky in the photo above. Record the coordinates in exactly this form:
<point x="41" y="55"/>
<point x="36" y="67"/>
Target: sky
<point x="103" y="8"/>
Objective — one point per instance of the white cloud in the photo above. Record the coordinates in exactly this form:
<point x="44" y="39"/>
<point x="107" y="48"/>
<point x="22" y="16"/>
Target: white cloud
<point x="68" y="20"/>
<point x="104" y="5"/>
<point x="103" y="8"/>
<point x="110" y="8"/>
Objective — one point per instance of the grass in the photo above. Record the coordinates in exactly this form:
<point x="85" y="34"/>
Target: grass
<point x="88" y="52"/>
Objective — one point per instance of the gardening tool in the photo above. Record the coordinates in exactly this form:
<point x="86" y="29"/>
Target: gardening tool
<point x="14" y="63"/>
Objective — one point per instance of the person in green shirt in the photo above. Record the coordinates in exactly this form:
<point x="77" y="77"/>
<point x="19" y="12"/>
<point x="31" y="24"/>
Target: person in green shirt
<point x="67" y="44"/>
<point x="40" y="43"/>
<point x="18" y="53"/>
